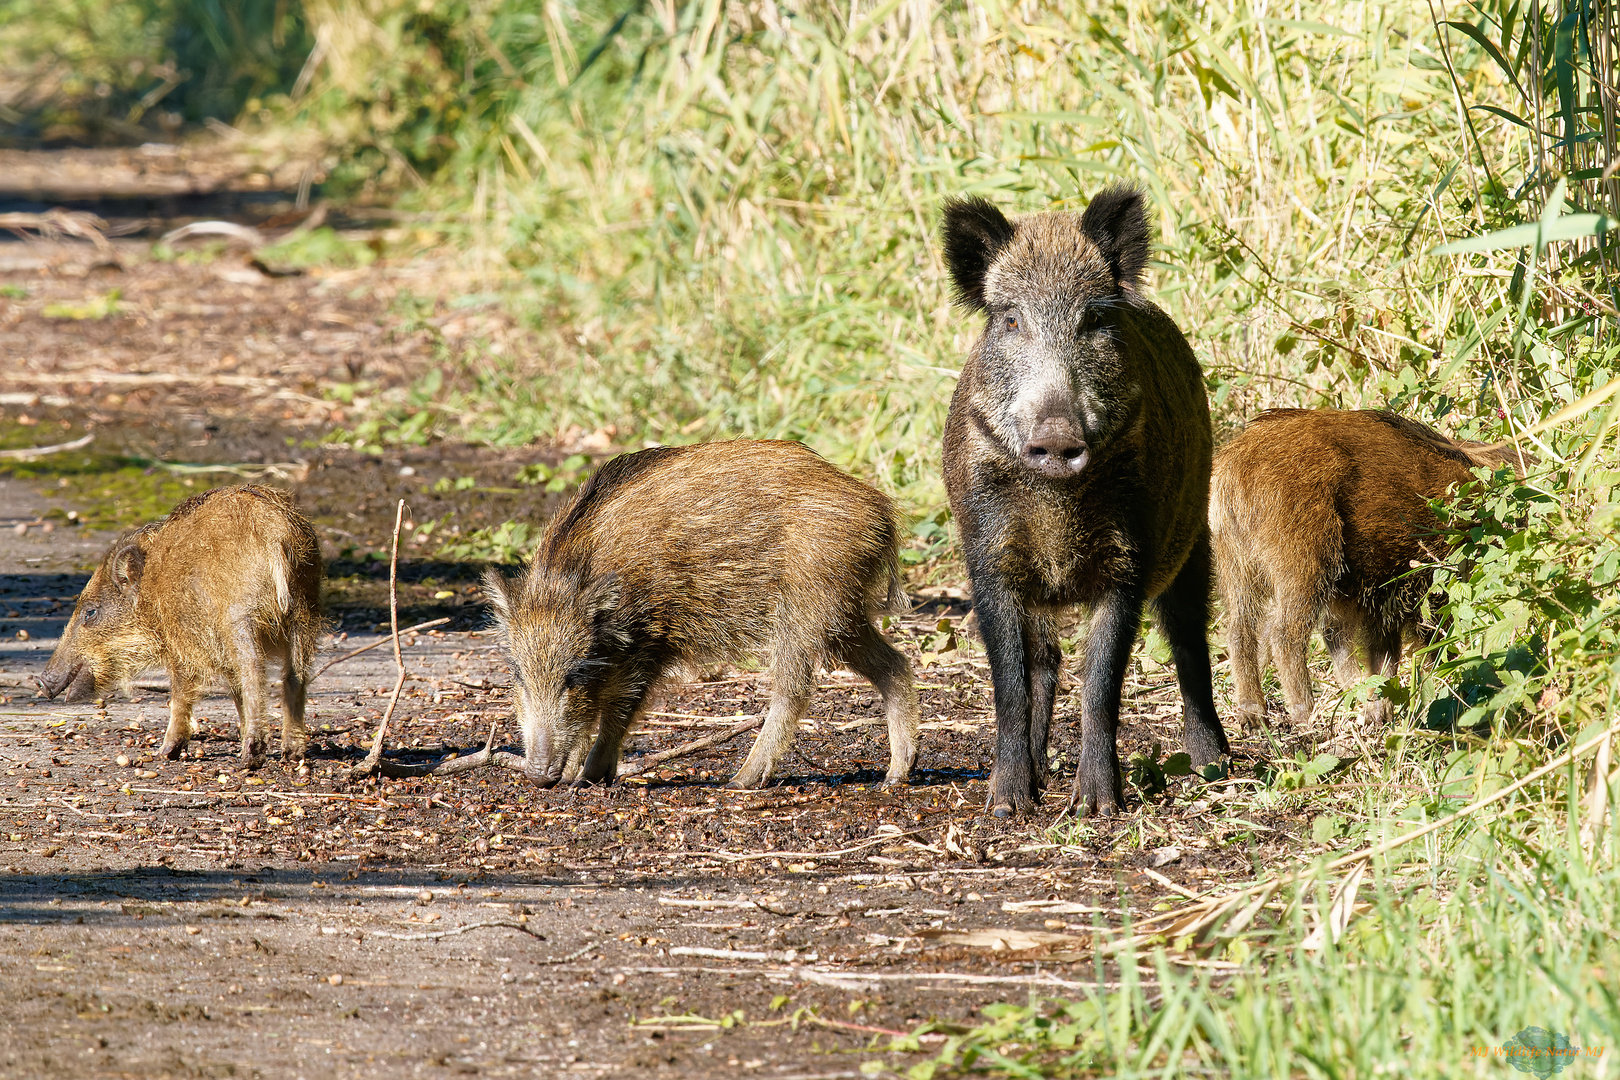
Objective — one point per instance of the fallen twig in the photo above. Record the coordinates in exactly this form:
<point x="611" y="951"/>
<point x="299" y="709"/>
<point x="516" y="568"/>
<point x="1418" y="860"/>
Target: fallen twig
<point x="380" y="641"/>
<point x="230" y="230"/>
<point x="370" y="765"/>
<point x="457" y="763"/>
<point x="652" y="761"/>
<point x="58" y="222"/>
<point x="504" y="759"/>
<point x="434" y="935"/>
<point x="29" y="453"/>
<point x="732" y="856"/>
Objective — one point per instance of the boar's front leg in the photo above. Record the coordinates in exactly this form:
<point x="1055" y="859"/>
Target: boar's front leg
<point x="1097" y="783"/>
<point x="184" y="690"/>
<point x="622" y="706"/>
<point x="1183" y="617"/>
<point x="1045" y="663"/>
<point x="1014" y="778"/>
<point x="868" y="654"/>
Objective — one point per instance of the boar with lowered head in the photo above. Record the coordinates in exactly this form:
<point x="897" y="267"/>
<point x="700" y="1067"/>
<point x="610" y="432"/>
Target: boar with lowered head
<point x="682" y="556"/>
<point x="1077" y="457"/>
<point x="1322" y="518"/>
<point x="229" y="581"/>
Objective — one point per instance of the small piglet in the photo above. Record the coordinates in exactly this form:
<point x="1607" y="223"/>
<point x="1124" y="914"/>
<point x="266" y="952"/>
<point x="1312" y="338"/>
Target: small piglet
<point x="676" y="557"/>
<point x="227" y="582"/>
<point x="1321" y="518"/>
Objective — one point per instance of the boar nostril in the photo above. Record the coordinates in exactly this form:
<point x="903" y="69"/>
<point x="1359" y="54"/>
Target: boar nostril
<point x="1055" y="451"/>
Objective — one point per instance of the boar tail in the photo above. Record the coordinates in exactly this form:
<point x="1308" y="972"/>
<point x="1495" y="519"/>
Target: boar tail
<point x="896" y="603"/>
<point x="281" y="574"/>
<point x="1492" y="455"/>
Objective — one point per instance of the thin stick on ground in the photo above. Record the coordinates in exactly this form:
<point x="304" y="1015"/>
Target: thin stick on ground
<point x="370" y="765"/>
<point x="504" y="759"/>
<point x="29" y="453"/>
<point x="350" y="655"/>
<point x="652" y="761"/>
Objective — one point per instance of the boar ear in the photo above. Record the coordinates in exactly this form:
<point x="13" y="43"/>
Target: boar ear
<point x="600" y="599"/>
<point x="498" y="591"/>
<point x="974" y="231"/>
<point x="1116" y="222"/>
<point x="128" y="563"/>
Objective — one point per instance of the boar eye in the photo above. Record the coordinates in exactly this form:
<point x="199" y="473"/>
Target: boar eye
<point x="1010" y="322"/>
<point x="577" y="675"/>
<point x="1090" y="319"/>
<point x="90" y="615"/>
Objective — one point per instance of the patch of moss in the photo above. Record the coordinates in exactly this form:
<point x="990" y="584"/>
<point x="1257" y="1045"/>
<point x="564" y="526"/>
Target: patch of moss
<point x="110" y="490"/>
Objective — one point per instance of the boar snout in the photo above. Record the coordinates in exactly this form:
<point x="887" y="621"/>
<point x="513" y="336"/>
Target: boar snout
<point x="1056" y="449"/>
<point x="79" y="682"/>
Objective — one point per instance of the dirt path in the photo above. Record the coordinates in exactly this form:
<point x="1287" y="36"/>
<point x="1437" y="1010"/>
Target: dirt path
<point x="189" y="919"/>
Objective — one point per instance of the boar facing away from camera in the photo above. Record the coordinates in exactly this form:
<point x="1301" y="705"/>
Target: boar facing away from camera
<point x="1322" y="518"/>
<point x="225" y="584"/>
<point x="676" y="557"/>
<point x="1077" y="456"/>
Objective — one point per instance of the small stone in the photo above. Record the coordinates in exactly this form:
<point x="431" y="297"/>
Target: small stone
<point x="22" y="635"/>
<point x="122" y="760"/>
<point x="193" y="930"/>
<point x="335" y="980"/>
<point x="424" y="898"/>
<point x="973" y="896"/>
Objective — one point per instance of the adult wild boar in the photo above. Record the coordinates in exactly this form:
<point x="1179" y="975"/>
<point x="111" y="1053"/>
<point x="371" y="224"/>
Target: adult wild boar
<point x="1319" y="518"/>
<point x="1077" y="456"/>
<point x="682" y="556"/>
<point x="229" y="581"/>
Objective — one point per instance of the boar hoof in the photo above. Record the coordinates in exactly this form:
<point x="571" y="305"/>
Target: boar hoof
<point x="1378" y="711"/>
<point x="173" y="750"/>
<point x="1101" y="797"/>
<point x="1011" y="794"/>
<point x="1251" y="717"/>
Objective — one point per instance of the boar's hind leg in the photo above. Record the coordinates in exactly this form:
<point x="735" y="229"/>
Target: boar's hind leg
<point x="793" y="681"/>
<point x="1097" y="782"/>
<point x="1383" y="658"/>
<point x="1183" y="616"/>
<point x="873" y="658"/>
<point x="294" y="735"/>
<point x="1293" y="615"/>
<point x="1013" y="777"/>
<point x="1243" y="645"/>
<point x="183" y="697"/>
<point x="250" y="693"/>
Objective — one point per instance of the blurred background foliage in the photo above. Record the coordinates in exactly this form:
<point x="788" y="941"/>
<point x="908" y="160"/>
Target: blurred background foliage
<point x="76" y="72"/>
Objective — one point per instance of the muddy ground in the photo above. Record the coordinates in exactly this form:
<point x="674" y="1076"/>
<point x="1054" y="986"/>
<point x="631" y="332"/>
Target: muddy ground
<point x="191" y="919"/>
